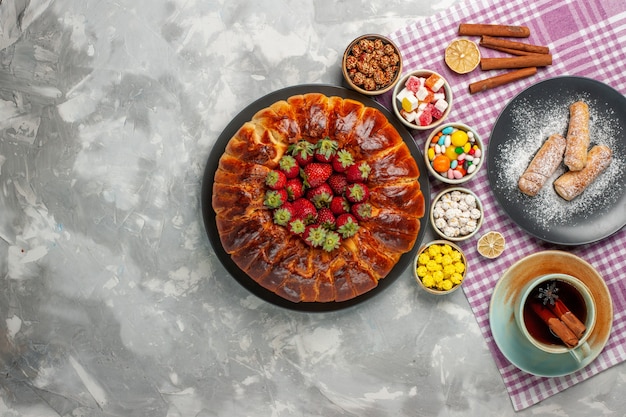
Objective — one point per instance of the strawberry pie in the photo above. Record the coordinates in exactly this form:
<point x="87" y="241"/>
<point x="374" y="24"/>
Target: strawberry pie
<point x="317" y="198"/>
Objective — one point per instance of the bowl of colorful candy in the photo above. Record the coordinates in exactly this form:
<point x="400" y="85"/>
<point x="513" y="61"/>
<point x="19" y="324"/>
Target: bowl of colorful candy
<point x="454" y="153"/>
<point x="456" y="214"/>
<point x="439" y="267"/>
<point x="422" y="99"/>
<point x="372" y="64"/>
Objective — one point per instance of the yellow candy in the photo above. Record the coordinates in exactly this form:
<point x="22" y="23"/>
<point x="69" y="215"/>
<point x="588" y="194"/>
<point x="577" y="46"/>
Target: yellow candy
<point x="422" y="271"/>
<point x="456" y="278"/>
<point x="446" y="285"/>
<point x="451" y="153"/>
<point x="434" y="250"/>
<point x="423" y="258"/>
<point x="407" y="105"/>
<point x="459" y="138"/>
<point x="467" y="147"/>
<point x="448" y="271"/>
<point x="428" y="281"/>
<point x="431" y="154"/>
<point x="460" y="267"/>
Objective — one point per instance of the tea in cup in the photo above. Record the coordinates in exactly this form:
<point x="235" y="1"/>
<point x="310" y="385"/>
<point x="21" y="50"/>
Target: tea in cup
<point x="557" y="313"/>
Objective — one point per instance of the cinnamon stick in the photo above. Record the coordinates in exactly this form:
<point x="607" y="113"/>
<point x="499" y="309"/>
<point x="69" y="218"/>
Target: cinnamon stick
<point x="534" y="60"/>
<point x="521" y="46"/>
<point x="557" y="326"/>
<point x="562" y="312"/>
<point x="499" y="80"/>
<point x="475" y="29"/>
<point x="516" y="52"/>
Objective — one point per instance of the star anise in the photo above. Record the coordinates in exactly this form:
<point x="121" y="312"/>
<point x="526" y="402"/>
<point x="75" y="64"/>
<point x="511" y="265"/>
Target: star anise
<point x="549" y="294"/>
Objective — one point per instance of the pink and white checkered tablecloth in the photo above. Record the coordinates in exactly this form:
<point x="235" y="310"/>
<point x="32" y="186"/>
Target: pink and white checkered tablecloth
<point x="586" y="39"/>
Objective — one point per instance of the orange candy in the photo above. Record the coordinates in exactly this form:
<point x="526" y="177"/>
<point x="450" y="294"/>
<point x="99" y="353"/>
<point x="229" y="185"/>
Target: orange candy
<point x="441" y="163"/>
<point x="430" y="97"/>
<point x="431" y="81"/>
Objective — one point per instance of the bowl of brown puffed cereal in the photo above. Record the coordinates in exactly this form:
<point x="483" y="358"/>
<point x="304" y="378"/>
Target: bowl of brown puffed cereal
<point x="439" y="267"/>
<point x="372" y="64"/>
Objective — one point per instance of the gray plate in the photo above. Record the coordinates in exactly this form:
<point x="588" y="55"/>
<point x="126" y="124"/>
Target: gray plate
<point x="209" y="215"/>
<point x="529" y="114"/>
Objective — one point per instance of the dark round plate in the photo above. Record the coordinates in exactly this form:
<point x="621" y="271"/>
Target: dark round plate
<point x="524" y="124"/>
<point x="209" y="215"/>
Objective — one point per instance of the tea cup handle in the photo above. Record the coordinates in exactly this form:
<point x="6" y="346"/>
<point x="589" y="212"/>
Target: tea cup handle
<point x="581" y="352"/>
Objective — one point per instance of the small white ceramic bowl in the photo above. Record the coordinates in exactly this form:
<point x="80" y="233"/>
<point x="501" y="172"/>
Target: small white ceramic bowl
<point x="423" y="279"/>
<point x="434" y="143"/>
<point x="390" y="70"/>
<point x="456" y="214"/>
<point x="411" y="118"/>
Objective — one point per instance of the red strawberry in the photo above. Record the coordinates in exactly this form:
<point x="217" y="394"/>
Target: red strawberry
<point x="347" y="225"/>
<point x="342" y="160"/>
<point x="283" y="214"/>
<point x="320" y="196"/>
<point x="362" y="211"/>
<point x="289" y="166"/>
<point x="275" y="198"/>
<point x="358" y="172"/>
<point x="332" y="241"/>
<point x="302" y="151"/>
<point x="325" y="149"/>
<point x="304" y="210"/>
<point x="357" y="192"/>
<point x="275" y="179"/>
<point x="295" y="188"/>
<point x="314" y="235"/>
<point x="338" y="183"/>
<point x="339" y="205"/>
<point x="297" y="226"/>
<point x="316" y="173"/>
<point x="326" y="218"/>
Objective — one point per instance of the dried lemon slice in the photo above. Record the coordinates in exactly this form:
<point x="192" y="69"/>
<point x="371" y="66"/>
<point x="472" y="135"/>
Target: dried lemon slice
<point x="491" y="244"/>
<point x="462" y="56"/>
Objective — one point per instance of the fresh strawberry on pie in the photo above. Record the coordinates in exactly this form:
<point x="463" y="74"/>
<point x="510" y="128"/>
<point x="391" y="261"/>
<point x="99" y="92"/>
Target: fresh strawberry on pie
<point x="338" y="182"/>
<point x="357" y="192"/>
<point x="302" y="151"/>
<point x="326" y="218"/>
<point x="289" y="166"/>
<point x="314" y="235"/>
<point x="275" y="180"/>
<point x="304" y="210"/>
<point x="339" y="205"/>
<point x="347" y="225"/>
<point x="358" y="172"/>
<point x="320" y="196"/>
<point x="316" y="173"/>
<point x="295" y="188"/>
<point x="342" y="160"/>
<point x="325" y="150"/>
<point x="362" y="211"/>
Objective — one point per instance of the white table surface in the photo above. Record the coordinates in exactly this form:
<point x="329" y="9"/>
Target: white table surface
<point x="112" y="302"/>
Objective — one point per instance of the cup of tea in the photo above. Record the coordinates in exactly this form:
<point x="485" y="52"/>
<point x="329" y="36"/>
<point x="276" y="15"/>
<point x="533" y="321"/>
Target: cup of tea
<point x="557" y="313"/>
